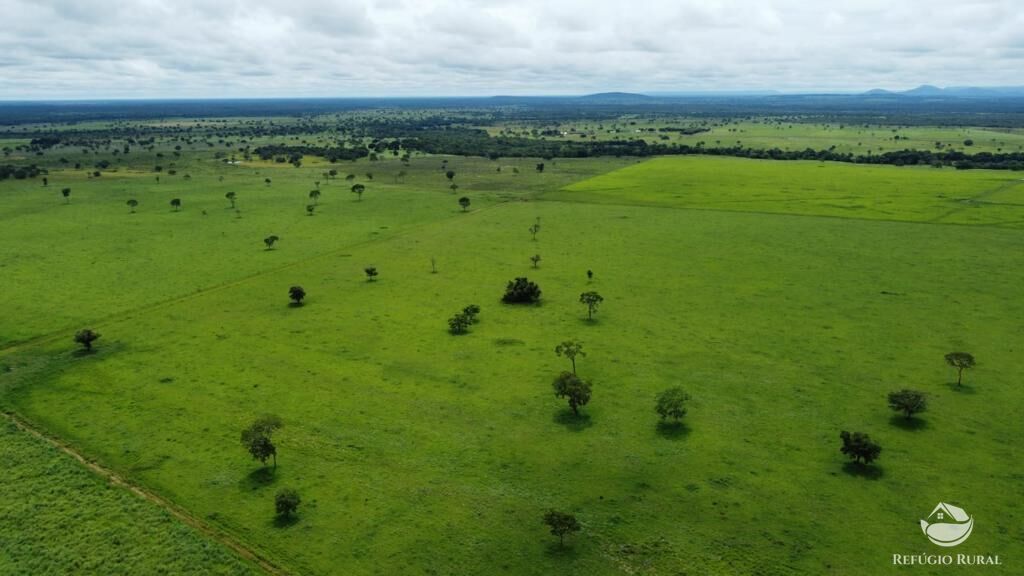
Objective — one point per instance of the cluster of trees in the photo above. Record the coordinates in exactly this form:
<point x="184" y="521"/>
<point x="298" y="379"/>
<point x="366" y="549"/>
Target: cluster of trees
<point x="19" y="172"/>
<point x="477" y="142"/>
<point x="295" y="153"/>
<point x="460" y="323"/>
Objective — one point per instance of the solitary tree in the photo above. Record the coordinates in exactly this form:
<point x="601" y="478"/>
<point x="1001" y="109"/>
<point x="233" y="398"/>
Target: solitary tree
<point x="671" y="403"/>
<point x="533" y="231"/>
<point x="231" y="196"/>
<point x="561" y="524"/>
<point x="270" y="241"/>
<point x="286" y="502"/>
<point x="960" y="361"/>
<point x="371" y="273"/>
<point x="535" y="259"/>
<point x="590" y="275"/>
<point x="454" y="187"/>
<point x="358" y="190"/>
<point x="570" y="349"/>
<point x="266" y="181"/>
<point x="464" y="202"/>
<point x="459" y="324"/>
<point x="176" y="204"/>
<point x="86" y="337"/>
<point x="521" y="291"/>
<point x="907" y="401"/>
<point x="450" y="175"/>
<point x="314" y="195"/>
<point x="66" y="193"/>
<point x="572" y="387"/>
<point x="132" y="203"/>
<point x="859" y="447"/>
<point x="257" y="438"/>
<point x="592" y="300"/>
<point x="297" y="293"/>
<point x="540" y="167"/>
<point x="310" y="208"/>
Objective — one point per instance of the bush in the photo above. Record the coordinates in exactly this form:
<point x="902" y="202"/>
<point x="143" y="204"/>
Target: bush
<point x="521" y="291"/>
<point x="286" y="502"/>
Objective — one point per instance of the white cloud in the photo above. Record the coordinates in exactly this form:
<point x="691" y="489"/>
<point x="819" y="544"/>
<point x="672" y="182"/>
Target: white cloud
<point x="252" y="48"/>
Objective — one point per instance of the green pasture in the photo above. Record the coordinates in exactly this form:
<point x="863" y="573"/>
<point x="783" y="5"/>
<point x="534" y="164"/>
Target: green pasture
<point x="916" y="194"/>
<point x="768" y="133"/>
<point x="56" y="517"/>
<point x="415" y="451"/>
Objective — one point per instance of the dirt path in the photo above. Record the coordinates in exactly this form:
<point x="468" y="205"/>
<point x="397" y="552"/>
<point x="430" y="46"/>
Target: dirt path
<point x="253" y="556"/>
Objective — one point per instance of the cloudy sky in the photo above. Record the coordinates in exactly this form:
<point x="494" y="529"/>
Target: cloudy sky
<point x="56" y="49"/>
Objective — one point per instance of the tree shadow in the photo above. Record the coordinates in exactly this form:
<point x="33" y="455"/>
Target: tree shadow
<point x="83" y="353"/>
<point x="865" y="471"/>
<point x="258" y="478"/>
<point x="574" y="422"/>
<point x="912" y="424"/>
<point x="295" y="304"/>
<point x="556" y="550"/>
<point x="961" y="388"/>
<point x="285" y="521"/>
<point x="673" y="430"/>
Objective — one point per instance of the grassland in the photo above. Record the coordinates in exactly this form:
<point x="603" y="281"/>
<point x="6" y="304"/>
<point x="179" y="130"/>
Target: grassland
<point x="766" y="133"/>
<point x="787" y="299"/>
<point x="57" y="517"/>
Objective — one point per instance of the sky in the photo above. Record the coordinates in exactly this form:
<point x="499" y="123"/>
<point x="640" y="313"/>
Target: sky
<point x="90" y="49"/>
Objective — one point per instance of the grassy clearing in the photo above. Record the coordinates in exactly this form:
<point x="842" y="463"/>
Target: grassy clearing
<point x="812" y="188"/>
<point x="92" y="258"/>
<point x="56" y="517"/>
<point x="418" y="451"/>
<point x="771" y="133"/>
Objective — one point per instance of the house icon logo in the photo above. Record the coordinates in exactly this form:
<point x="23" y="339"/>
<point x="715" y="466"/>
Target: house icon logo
<point x="947" y="525"/>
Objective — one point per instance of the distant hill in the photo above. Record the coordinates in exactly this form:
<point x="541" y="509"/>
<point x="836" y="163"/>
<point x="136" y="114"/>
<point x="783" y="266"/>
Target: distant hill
<point x="929" y="91"/>
<point x="616" y="97"/>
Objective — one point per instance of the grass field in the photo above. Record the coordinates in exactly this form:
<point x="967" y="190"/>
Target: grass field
<point x="56" y="517"/>
<point x="857" y="139"/>
<point x="787" y="298"/>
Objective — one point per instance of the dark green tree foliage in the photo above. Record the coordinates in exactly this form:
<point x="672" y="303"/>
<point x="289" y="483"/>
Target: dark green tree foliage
<point x="310" y="208"/>
<point x="257" y="438"/>
<point x="574" y="389"/>
<point x="561" y="524"/>
<point x="909" y="402"/>
<point x="961" y="361"/>
<point x="535" y="259"/>
<point x="459" y="324"/>
<point x="859" y="447"/>
<point x="671" y="403"/>
<point x="314" y="195"/>
<point x="450" y="174"/>
<point x="571" y="349"/>
<point x="592" y="300"/>
<point x="86" y="337"/>
<point x="231" y="197"/>
<point x="132" y="203"/>
<point x="176" y="204"/>
<point x="66" y="193"/>
<point x="358" y="190"/>
<point x="270" y="241"/>
<point x="471" y="311"/>
<point x="464" y="202"/>
<point x="371" y="273"/>
<point x="286" y="502"/>
<point x="297" y="293"/>
<point x="521" y="291"/>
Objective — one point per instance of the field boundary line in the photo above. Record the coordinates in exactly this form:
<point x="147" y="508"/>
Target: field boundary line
<point x="217" y="535"/>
